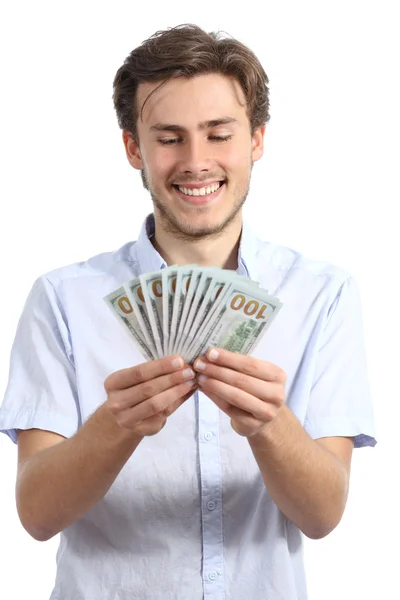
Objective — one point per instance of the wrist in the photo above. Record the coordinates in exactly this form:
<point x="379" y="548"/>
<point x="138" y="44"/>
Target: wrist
<point x="111" y="430"/>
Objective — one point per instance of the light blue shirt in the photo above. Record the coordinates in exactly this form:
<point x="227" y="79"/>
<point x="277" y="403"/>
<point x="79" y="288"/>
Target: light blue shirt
<point x="188" y="517"/>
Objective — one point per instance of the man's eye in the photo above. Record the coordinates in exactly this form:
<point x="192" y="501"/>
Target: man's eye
<point x="169" y="141"/>
<point x="214" y="138"/>
<point x="219" y="138"/>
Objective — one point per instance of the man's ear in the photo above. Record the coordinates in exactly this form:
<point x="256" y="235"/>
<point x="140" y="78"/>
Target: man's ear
<point x="132" y="150"/>
<point x="257" y="143"/>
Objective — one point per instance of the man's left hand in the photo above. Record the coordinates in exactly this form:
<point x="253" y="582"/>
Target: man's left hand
<point x="249" y="390"/>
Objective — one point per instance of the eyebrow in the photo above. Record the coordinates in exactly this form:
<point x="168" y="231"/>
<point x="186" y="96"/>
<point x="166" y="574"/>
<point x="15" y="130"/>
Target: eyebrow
<point x="203" y="125"/>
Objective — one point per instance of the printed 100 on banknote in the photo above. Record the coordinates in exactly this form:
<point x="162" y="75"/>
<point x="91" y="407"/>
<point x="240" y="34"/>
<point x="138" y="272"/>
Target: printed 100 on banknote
<point x="187" y="310"/>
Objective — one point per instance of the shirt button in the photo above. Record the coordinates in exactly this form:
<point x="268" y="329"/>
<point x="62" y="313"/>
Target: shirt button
<point x="208" y="435"/>
<point x="211" y="505"/>
<point x="212" y="575"/>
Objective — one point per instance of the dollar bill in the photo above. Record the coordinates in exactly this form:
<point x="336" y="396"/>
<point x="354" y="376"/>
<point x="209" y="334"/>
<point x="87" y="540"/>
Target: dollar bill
<point x="201" y="291"/>
<point x="151" y="285"/>
<point x="182" y="286"/>
<point x="196" y="305"/>
<point x="220" y="292"/>
<point x="211" y="298"/>
<point x="186" y="310"/>
<point x="123" y="310"/>
<point x="169" y="287"/>
<point x="195" y="278"/>
<point x="134" y="292"/>
<point x="240" y="322"/>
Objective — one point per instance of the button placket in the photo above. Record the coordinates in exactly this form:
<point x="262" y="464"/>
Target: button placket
<point x="211" y="498"/>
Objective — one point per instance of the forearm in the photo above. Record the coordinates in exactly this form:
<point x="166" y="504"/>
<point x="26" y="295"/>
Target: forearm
<point x="306" y="481"/>
<point x="60" y="484"/>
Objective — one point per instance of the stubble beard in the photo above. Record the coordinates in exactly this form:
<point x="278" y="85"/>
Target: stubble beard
<point x="184" y="231"/>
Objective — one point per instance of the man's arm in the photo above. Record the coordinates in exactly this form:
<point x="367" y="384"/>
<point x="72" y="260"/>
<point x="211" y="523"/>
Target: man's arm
<point x="308" y="480"/>
<point x="58" y="484"/>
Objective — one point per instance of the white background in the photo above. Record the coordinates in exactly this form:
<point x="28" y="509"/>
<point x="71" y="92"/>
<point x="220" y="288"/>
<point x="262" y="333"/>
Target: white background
<point x="326" y="186"/>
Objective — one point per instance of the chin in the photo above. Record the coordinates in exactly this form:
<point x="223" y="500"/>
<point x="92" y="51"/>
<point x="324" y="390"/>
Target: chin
<point x="201" y="226"/>
<point x="195" y="222"/>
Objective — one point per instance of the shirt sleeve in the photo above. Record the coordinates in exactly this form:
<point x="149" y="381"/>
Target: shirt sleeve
<point x="41" y="391"/>
<point x="340" y="400"/>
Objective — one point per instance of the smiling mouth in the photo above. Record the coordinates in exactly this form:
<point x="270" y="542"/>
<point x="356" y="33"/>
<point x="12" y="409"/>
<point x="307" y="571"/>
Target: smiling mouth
<point x="204" y="191"/>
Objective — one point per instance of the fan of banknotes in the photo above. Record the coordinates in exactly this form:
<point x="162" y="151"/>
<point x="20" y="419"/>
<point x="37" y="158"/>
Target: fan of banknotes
<point x="188" y="309"/>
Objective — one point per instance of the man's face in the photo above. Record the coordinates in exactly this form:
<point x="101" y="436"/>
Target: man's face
<point x="195" y="135"/>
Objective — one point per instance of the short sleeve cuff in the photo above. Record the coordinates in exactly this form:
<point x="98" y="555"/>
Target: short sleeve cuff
<point x="10" y="422"/>
<point x="363" y="433"/>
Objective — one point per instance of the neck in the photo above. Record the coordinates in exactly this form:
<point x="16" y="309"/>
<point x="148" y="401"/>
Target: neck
<point x="211" y="251"/>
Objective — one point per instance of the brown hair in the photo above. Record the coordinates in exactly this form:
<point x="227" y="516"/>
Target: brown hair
<point x="187" y="51"/>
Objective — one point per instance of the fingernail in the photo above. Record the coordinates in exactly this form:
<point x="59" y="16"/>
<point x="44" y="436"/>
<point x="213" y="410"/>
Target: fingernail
<point x="188" y="373"/>
<point x="177" y="362"/>
<point x="191" y="382"/>
<point x="213" y="354"/>
<point x="202" y="378"/>
<point x="200" y="364"/>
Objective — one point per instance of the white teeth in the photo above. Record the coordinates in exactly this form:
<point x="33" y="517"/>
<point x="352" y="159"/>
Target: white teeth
<point x="201" y="191"/>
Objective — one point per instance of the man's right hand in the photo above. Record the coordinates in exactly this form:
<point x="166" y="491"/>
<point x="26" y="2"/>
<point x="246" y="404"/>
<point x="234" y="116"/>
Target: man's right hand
<point x="141" y="398"/>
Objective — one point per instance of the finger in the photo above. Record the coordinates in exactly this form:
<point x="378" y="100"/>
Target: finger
<point x="249" y="365"/>
<point x="171" y="408"/>
<point x="122" y="399"/>
<point x="233" y="412"/>
<point x="264" y="390"/>
<point x="260" y="410"/>
<point x="155" y="405"/>
<point x="220" y="402"/>
<point x="126" y="378"/>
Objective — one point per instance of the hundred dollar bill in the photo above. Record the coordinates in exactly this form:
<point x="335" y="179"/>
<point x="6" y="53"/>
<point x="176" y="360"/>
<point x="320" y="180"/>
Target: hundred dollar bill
<point x="219" y="294"/>
<point x="217" y="282"/>
<point x="201" y="290"/>
<point x="214" y="283"/>
<point x="182" y="286"/>
<point x="169" y="286"/>
<point x="134" y="292"/>
<point x="200" y="280"/>
<point x="129" y="318"/>
<point x="151" y="285"/>
<point x="239" y="323"/>
<point x="195" y="278"/>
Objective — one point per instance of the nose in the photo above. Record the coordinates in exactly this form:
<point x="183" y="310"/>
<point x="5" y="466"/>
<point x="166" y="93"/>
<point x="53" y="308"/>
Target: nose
<point x="195" y="156"/>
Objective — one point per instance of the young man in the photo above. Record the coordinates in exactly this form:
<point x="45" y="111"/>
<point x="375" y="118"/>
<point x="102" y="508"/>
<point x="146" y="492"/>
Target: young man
<point x="156" y="496"/>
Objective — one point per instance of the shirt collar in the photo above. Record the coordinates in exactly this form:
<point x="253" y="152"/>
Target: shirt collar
<point x="248" y="251"/>
<point x="150" y="260"/>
